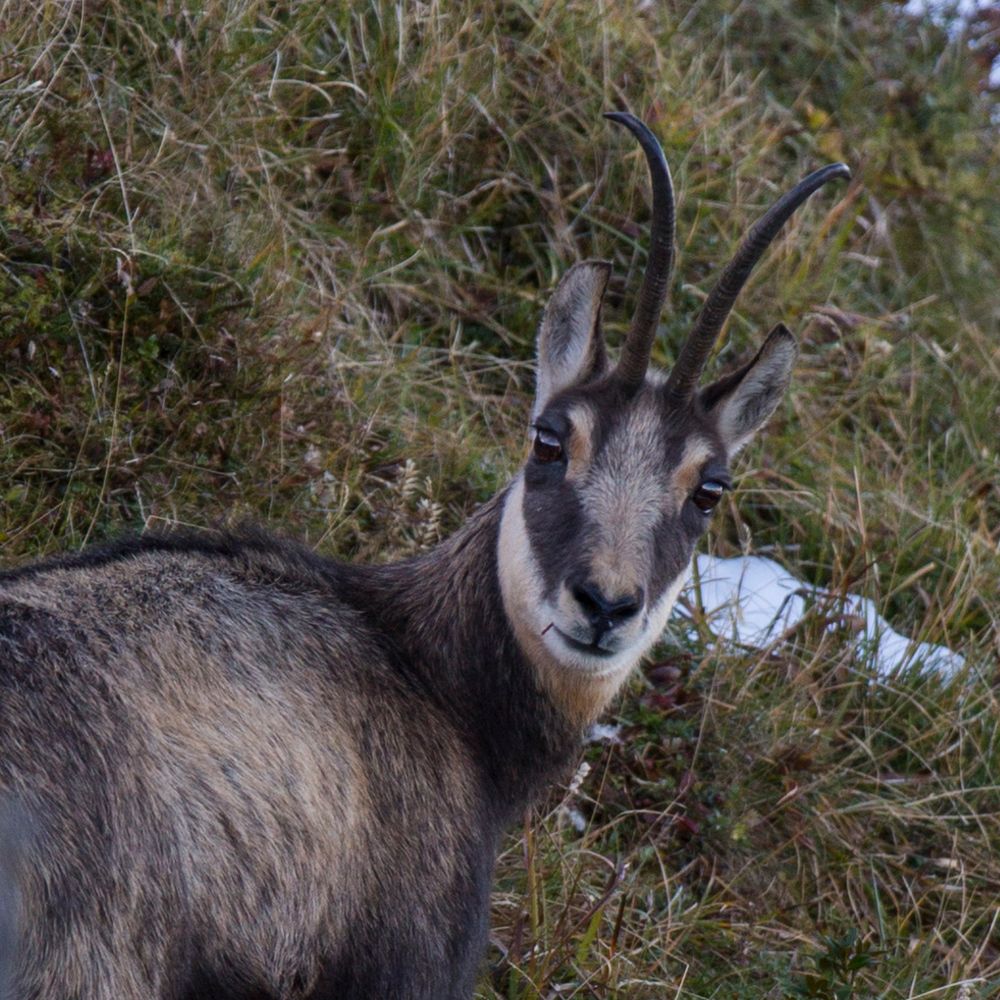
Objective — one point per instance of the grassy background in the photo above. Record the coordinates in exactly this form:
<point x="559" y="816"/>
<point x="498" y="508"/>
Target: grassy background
<point x="285" y="260"/>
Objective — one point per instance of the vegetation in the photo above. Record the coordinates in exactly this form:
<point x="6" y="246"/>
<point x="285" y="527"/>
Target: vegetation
<point x="283" y="260"/>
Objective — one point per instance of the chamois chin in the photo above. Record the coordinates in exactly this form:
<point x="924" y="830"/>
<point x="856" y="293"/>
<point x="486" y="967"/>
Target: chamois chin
<point x="232" y="768"/>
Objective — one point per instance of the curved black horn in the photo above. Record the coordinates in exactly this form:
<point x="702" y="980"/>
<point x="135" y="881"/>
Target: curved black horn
<point x="717" y="307"/>
<point x="656" y="281"/>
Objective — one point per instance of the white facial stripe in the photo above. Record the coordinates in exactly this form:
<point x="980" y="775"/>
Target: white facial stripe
<point x="521" y="581"/>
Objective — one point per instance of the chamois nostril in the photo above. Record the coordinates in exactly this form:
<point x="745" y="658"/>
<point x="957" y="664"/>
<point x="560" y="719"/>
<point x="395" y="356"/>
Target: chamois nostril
<point x="627" y="607"/>
<point x="589" y="598"/>
<point x="600" y="610"/>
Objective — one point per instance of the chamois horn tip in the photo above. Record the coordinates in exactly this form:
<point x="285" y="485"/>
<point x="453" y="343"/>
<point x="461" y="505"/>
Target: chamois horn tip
<point x="833" y="171"/>
<point x="650" y="145"/>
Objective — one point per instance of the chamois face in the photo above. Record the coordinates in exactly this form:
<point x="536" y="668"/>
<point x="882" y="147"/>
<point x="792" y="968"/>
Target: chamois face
<point x="599" y="527"/>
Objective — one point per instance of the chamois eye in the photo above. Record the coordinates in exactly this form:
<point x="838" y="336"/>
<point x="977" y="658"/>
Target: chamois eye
<point x="708" y="495"/>
<point x="547" y="446"/>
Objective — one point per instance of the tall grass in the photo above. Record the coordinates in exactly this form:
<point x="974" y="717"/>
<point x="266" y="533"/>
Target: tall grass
<point x="284" y="260"/>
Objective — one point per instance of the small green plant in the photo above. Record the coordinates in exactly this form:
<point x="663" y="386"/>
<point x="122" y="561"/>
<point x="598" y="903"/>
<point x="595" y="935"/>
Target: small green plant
<point x="837" y="969"/>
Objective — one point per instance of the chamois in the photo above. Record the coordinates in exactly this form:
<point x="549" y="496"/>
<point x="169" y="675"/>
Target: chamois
<point x="252" y="772"/>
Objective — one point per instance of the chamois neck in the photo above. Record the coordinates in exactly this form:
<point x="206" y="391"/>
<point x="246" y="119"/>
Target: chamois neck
<point x="446" y="614"/>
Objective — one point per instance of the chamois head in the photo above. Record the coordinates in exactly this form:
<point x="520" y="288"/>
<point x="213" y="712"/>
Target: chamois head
<point x="627" y="464"/>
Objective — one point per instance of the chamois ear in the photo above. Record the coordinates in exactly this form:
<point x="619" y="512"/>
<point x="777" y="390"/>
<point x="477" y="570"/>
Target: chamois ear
<point x="742" y="401"/>
<point x="570" y="342"/>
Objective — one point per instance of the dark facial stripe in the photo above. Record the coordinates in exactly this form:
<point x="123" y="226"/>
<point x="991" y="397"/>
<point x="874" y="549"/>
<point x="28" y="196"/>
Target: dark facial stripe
<point x="555" y="523"/>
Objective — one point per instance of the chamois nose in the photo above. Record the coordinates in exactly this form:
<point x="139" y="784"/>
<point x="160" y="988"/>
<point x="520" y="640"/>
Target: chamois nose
<point x="604" y="611"/>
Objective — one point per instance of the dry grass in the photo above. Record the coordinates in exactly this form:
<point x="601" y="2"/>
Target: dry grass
<point x="285" y="260"/>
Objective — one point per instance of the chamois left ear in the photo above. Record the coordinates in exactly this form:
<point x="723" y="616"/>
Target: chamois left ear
<point x="742" y="401"/>
<point x="570" y="342"/>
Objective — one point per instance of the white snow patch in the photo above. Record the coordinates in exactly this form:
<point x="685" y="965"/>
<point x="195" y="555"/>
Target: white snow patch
<point x="752" y="601"/>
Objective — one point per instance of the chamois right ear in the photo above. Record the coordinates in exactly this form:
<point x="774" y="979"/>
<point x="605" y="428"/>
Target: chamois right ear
<point x="742" y="401"/>
<point x="570" y="342"/>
